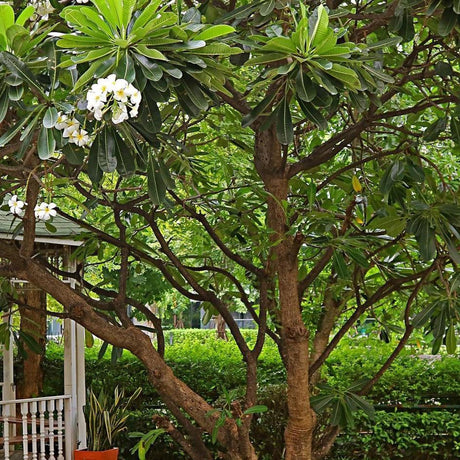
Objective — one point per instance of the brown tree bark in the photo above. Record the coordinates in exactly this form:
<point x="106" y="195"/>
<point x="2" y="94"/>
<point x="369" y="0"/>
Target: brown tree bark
<point x="33" y="323"/>
<point x="271" y="166"/>
<point x="220" y="328"/>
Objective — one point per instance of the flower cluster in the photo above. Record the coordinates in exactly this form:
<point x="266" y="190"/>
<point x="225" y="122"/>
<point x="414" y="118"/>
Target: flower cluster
<point x="116" y="95"/>
<point x="43" y="211"/>
<point x="72" y="130"/>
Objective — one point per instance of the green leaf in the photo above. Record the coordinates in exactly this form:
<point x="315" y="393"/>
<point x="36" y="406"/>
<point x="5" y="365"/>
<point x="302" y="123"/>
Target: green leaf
<point x="73" y="156"/>
<point x="151" y="70"/>
<point x="151" y="53"/>
<point x="214" y="32"/>
<point x="322" y="402"/>
<point x="128" y="7"/>
<point x="387" y="42"/>
<point x="451" y="339"/>
<point x="456" y="6"/>
<point x="166" y="175"/>
<point x="267" y="7"/>
<point x="435" y="129"/>
<point x="4" y="104"/>
<point x="50" y="117"/>
<point x="195" y="93"/>
<point x="425" y="237"/>
<point x="357" y="256"/>
<point x="320" y="28"/>
<point x="88" y="75"/>
<point x="149" y="115"/>
<point x="447" y="22"/>
<point x="407" y="30"/>
<point x="436" y="346"/>
<point x="106" y="156"/>
<point x="126" y="165"/>
<point x="26" y="14"/>
<point x="148" y="13"/>
<point x="217" y="49"/>
<point x="313" y="114"/>
<point x="305" y="89"/>
<point x="156" y="186"/>
<point x="454" y="129"/>
<point x="280" y="45"/>
<point x="339" y="264"/>
<point x="6" y="21"/>
<point x="378" y="74"/>
<point x="255" y="410"/>
<point x="258" y="110"/>
<point x="18" y="68"/>
<point x="14" y="130"/>
<point x="15" y="93"/>
<point x="345" y="75"/>
<point x="94" y="171"/>
<point x="393" y="225"/>
<point x="443" y="69"/>
<point x="110" y="11"/>
<point x="284" y="127"/>
<point x="89" y="339"/>
<point x="125" y="68"/>
<point x="45" y="144"/>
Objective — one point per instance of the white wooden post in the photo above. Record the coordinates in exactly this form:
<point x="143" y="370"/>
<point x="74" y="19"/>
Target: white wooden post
<point x="9" y="388"/>
<point x="70" y="388"/>
<point x="74" y="378"/>
<point x="81" y="387"/>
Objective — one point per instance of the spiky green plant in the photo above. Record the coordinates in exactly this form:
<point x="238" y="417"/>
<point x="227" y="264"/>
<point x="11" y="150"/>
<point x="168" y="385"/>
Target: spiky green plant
<point x="106" y="417"/>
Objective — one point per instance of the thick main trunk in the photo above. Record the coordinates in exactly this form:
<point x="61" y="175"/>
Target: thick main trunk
<point x="284" y="264"/>
<point x="33" y="323"/>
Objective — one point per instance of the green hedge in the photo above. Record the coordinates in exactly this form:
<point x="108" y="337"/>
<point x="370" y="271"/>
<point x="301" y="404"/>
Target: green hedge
<point x="428" y="435"/>
<point x="211" y="366"/>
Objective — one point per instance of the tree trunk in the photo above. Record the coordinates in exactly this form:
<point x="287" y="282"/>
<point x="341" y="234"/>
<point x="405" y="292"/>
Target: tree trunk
<point x="294" y="335"/>
<point x="33" y="323"/>
<point x="220" y="328"/>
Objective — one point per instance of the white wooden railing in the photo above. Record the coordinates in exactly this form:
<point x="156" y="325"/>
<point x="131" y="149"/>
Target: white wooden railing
<point x="40" y="422"/>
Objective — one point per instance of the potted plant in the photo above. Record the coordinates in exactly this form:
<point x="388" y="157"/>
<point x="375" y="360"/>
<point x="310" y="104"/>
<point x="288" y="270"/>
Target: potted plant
<point x="105" y="420"/>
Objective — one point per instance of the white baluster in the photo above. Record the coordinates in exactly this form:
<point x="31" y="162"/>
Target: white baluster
<point x="33" y="418"/>
<point x="6" y="437"/>
<point x="25" y="444"/>
<point x="42" y="429"/>
<point x="60" y="408"/>
<point x="51" y="408"/>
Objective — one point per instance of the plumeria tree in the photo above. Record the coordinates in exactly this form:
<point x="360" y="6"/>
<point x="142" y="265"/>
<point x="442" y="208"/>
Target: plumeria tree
<point x="297" y="160"/>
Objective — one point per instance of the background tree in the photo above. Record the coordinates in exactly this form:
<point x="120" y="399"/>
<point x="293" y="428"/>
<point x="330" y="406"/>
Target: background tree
<point x="305" y="178"/>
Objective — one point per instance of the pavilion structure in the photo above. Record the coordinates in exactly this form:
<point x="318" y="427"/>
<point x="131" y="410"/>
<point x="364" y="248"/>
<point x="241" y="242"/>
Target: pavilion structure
<point x="46" y="427"/>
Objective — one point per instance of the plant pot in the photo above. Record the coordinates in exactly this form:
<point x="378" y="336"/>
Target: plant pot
<point x="111" y="454"/>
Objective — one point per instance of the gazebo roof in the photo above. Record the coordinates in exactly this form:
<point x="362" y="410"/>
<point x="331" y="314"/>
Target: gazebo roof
<point x="64" y="235"/>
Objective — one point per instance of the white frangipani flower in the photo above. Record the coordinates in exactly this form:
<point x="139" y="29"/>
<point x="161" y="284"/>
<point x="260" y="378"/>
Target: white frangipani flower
<point x="61" y="122"/>
<point x="96" y="98"/>
<point x="72" y="125"/>
<point x="79" y="137"/>
<point x="45" y="211"/>
<point x="120" y="90"/>
<point x="111" y="81"/>
<point x="16" y="205"/>
<point x="119" y="114"/>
